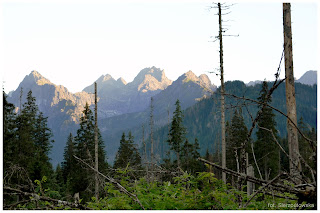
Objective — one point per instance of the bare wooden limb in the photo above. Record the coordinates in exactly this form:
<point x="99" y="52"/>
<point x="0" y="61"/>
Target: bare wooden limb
<point x="255" y="161"/>
<point x="311" y="142"/>
<point x="38" y="197"/>
<point x="114" y="182"/>
<point x="264" y="186"/>
<point x="290" y="159"/>
<point x="312" y="171"/>
<point x="277" y="187"/>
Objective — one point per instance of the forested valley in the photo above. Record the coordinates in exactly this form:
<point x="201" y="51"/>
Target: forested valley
<point x="182" y="179"/>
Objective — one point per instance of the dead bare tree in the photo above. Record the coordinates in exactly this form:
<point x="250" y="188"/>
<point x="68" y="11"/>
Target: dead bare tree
<point x="290" y="96"/>
<point x="222" y="30"/>
<point x="96" y="162"/>
<point x="151" y="132"/>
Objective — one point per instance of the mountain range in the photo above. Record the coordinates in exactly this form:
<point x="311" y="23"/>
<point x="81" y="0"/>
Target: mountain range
<point x="124" y="107"/>
<point x="117" y="100"/>
<point x="309" y="78"/>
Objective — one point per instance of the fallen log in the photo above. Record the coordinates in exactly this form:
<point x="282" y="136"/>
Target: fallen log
<point x="38" y="197"/>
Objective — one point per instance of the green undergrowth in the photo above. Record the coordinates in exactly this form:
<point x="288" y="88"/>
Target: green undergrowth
<point x="202" y="191"/>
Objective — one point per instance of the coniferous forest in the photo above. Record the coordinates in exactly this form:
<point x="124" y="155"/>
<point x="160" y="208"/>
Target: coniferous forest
<point x="230" y="148"/>
<point x="183" y="179"/>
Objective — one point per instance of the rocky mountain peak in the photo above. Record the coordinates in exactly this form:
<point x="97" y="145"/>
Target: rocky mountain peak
<point x="107" y="77"/>
<point x="309" y="78"/>
<point x="104" y="78"/>
<point x="102" y="82"/>
<point x="190" y="76"/>
<point x="203" y="80"/>
<point x="150" y="79"/>
<point x="34" y="78"/>
<point x="152" y="71"/>
<point x="121" y="81"/>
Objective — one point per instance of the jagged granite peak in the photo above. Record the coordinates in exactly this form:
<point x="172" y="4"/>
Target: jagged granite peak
<point x="203" y="80"/>
<point x="206" y="83"/>
<point x="106" y="77"/>
<point x="153" y="71"/>
<point x="50" y="96"/>
<point x="34" y="77"/>
<point x="121" y="81"/>
<point x="189" y="76"/>
<point x="309" y="78"/>
<point x="102" y="82"/>
<point x="150" y="79"/>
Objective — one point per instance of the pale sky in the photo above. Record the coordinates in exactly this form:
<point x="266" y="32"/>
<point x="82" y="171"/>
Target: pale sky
<point x="72" y="43"/>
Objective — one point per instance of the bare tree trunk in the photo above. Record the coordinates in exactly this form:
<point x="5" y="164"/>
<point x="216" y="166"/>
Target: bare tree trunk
<point x="151" y="133"/>
<point x="295" y="166"/>
<point x="223" y="127"/>
<point x="96" y="165"/>
<point x="21" y="93"/>
<point x="145" y="153"/>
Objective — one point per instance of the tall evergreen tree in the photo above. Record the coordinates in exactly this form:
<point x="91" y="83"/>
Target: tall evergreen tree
<point x="239" y="134"/>
<point x="266" y="150"/>
<point x="9" y="132"/>
<point x="69" y="162"/>
<point x="189" y="155"/>
<point x="83" y="179"/>
<point x="30" y="141"/>
<point x="177" y="132"/>
<point x="25" y="146"/>
<point x="128" y="154"/>
<point x="43" y="144"/>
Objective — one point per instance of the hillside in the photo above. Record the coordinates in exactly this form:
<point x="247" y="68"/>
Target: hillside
<point x="202" y="120"/>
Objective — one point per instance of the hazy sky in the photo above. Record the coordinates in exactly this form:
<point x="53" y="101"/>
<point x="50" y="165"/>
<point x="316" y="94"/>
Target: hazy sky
<point x="72" y="43"/>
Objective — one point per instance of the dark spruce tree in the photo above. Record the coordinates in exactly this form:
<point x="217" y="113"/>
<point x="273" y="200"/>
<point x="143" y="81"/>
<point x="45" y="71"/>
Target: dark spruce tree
<point x="43" y="144"/>
<point x="9" y="132"/>
<point x="266" y="149"/>
<point x="128" y="156"/>
<point x="27" y="143"/>
<point x="83" y="177"/>
<point x="189" y="156"/>
<point x="24" y="144"/>
<point x="239" y="134"/>
<point x="69" y="167"/>
<point x="177" y="134"/>
<point x="33" y="141"/>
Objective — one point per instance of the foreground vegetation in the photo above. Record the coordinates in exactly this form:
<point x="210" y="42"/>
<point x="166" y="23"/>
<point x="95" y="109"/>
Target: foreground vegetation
<point x="202" y="191"/>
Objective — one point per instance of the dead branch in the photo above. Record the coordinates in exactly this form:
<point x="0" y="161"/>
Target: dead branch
<point x="312" y="171"/>
<point x="38" y="197"/>
<point x="275" y="139"/>
<point x="255" y="160"/>
<point x="277" y="187"/>
<point x="118" y="185"/>
<point x="264" y="186"/>
<point x="311" y="142"/>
